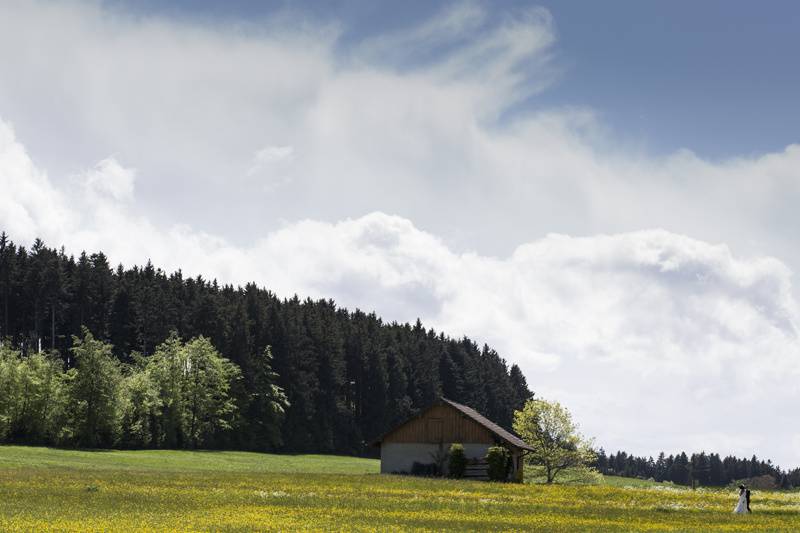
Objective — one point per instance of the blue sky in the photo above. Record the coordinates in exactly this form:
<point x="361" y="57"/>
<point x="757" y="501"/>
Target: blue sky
<point x="605" y="192"/>
<point x="720" y="78"/>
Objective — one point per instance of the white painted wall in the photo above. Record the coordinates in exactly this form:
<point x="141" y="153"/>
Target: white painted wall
<point x="401" y="456"/>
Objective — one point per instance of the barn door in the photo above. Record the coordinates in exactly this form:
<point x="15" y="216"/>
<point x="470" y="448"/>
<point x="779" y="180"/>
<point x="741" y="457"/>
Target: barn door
<point x="435" y="430"/>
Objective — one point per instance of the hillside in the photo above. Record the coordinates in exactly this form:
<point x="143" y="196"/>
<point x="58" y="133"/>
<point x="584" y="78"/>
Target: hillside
<point x="163" y="461"/>
<point x="348" y="375"/>
<point x="45" y="489"/>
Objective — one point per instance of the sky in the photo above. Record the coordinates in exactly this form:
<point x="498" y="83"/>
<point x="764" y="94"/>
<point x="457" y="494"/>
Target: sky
<point x="604" y="192"/>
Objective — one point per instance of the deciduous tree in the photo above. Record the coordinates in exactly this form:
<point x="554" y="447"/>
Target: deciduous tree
<point x="94" y="385"/>
<point x="549" y="429"/>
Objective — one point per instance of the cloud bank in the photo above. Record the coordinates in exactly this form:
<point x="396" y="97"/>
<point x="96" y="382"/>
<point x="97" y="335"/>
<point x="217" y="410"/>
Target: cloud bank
<point x="654" y="339"/>
<point x="437" y="122"/>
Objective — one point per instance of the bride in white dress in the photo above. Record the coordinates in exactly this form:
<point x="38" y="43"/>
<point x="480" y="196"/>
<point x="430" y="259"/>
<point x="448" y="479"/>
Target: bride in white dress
<point x="741" y="506"/>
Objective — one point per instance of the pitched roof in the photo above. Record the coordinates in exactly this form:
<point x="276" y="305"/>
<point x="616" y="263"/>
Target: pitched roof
<point x="499" y="432"/>
<point x="488" y="424"/>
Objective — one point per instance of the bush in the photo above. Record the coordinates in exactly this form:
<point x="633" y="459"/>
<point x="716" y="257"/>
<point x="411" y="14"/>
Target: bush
<point x="423" y="469"/>
<point x="587" y="475"/>
<point x="458" y="461"/>
<point x="499" y="461"/>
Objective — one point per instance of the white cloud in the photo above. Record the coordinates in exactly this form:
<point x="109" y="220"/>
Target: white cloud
<point x="272" y="154"/>
<point x="28" y="202"/>
<point x="654" y="338"/>
<point x="108" y="177"/>
<point x="190" y="107"/>
<point x="272" y="164"/>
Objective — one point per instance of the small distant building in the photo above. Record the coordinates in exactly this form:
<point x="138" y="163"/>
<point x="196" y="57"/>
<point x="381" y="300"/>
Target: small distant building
<point x="423" y="438"/>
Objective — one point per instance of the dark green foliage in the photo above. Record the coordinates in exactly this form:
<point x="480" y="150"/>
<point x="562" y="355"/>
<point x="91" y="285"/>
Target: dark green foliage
<point x="348" y="376"/>
<point x="457" y="461"/>
<point x="702" y="468"/>
<point x="681" y="470"/>
<point x="498" y="460"/>
<point x="424" y="469"/>
<point x="265" y="406"/>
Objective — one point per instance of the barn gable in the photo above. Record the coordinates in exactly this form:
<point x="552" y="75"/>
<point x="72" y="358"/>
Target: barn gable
<point x="439" y="423"/>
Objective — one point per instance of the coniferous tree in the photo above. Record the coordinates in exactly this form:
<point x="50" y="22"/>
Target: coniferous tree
<point x="601" y="463"/>
<point x="660" y="467"/>
<point x="702" y="468"/>
<point x="266" y="406"/>
<point x="716" y="471"/>
<point x="7" y="270"/>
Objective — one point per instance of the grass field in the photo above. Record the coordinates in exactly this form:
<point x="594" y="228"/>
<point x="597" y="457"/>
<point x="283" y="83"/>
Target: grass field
<point x="56" y="490"/>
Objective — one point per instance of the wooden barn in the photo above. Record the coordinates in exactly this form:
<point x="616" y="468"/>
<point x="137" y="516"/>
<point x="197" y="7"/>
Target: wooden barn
<point x="426" y="436"/>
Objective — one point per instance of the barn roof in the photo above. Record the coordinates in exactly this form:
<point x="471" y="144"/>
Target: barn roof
<point x="471" y="413"/>
<point x="488" y="424"/>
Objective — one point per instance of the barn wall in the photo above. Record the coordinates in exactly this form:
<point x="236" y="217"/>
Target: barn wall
<point x="399" y="457"/>
<point x="441" y="424"/>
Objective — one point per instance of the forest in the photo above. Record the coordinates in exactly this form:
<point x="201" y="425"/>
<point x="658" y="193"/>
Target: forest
<point x="290" y="375"/>
<point x="702" y="468"/>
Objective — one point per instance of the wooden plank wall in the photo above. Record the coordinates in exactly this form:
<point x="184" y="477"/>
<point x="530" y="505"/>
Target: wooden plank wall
<point x="441" y="423"/>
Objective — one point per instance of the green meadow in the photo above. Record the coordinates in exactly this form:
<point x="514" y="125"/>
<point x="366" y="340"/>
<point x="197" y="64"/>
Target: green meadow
<point x="44" y="489"/>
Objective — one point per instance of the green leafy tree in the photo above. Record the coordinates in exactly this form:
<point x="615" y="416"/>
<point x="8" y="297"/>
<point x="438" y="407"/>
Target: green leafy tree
<point x="32" y="397"/>
<point x="207" y="404"/>
<point x="43" y="399"/>
<point x="192" y="382"/>
<point x="94" y="387"/>
<point x="10" y="394"/>
<point x="167" y="368"/>
<point x="549" y="429"/>
<point x="140" y="406"/>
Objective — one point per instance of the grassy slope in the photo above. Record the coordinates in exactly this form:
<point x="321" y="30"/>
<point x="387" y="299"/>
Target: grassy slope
<point x="43" y="489"/>
<point x="183" y="461"/>
<point x="618" y="481"/>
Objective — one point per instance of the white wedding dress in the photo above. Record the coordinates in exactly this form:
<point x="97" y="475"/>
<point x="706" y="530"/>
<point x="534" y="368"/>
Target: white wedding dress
<point x="741" y="507"/>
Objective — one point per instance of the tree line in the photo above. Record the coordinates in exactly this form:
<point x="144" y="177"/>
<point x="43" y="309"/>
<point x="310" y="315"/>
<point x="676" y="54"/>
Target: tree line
<point x="347" y="376"/>
<point x="181" y="396"/>
<point x="682" y="469"/>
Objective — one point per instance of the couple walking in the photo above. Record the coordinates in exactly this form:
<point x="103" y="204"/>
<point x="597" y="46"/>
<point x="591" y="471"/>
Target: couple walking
<point x="743" y="506"/>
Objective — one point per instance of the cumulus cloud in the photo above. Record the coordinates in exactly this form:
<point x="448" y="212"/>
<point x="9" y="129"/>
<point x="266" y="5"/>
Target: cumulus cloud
<point x="110" y="178"/>
<point x="413" y="122"/>
<point x="654" y="339"/>
<point x="28" y="201"/>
